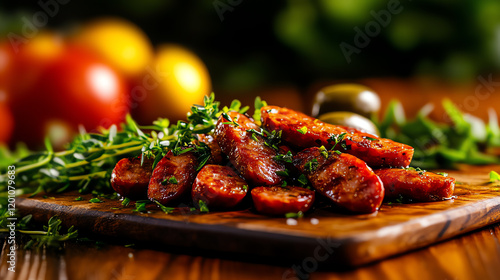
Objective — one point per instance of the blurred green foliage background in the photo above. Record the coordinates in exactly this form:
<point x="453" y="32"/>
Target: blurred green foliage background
<point x="250" y="44"/>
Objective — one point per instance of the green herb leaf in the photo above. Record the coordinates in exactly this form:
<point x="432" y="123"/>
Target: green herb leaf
<point x="288" y="157"/>
<point x="258" y="104"/>
<point x="494" y="176"/>
<point x="95" y="200"/>
<point x="51" y="236"/>
<point x="311" y="165"/>
<point x="203" y="206"/>
<point x="173" y="180"/>
<point x="323" y="151"/>
<point x="79" y="198"/>
<point x="282" y="173"/>
<point x="303" y="180"/>
<point x="126" y="201"/>
<point x="165" y="209"/>
<point x="140" y="206"/>
<point x="302" y="130"/>
<point x="294" y="215"/>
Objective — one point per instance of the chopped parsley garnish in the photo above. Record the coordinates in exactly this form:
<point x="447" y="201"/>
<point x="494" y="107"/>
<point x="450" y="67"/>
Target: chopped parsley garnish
<point x="284" y="184"/>
<point x="170" y="180"/>
<point x="173" y="180"/>
<point x="442" y="174"/>
<point x="338" y="139"/>
<point x="294" y="215"/>
<point x="303" y="180"/>
<point x="370" y="138"/>
<point x="95" y="200"/>
<point x="165" y="209"/>
<point x="140" y="206"/>
<point x="271" y="139"/>
<point x="417" y="169"/>
<point x="311" y="165"/>
<point x="245" y="187"/>
<point x="126" y="201"/>
<point x="302" y="130"/>
<point x="494" y="176"/>
<point x="282" y="173"/>
<point x="203" y="206"/>
<point x="79" y="198"/>
<point x="230" y="120"/>
<point x="258" y="104"/>
<point x="323" y="151"/>
<point x="284" y="157"/>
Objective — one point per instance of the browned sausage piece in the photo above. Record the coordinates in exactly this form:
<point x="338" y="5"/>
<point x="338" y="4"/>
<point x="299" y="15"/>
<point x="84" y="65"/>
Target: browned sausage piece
<point x="415" y="185"/>
<point x="215" y="151"/>
<point x="345" y="179"/>
<point x="282" y="200"/>
<point x="251" y="157"/>
<point x="219" y="187"/>
<point x="303" y="131"/>
<point x="172" y="177"/>
<point x="130" y="179"/>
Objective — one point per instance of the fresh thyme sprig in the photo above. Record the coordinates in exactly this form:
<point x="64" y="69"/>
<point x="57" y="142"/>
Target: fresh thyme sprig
<point x="89" y="160"/>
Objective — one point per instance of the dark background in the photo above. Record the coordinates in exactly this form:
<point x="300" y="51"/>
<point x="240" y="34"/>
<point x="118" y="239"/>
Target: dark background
<point x="295" y="42"/>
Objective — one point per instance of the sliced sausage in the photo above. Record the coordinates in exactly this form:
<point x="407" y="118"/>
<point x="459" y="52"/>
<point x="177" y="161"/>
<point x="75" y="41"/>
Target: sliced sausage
<point x="251" y="157"/>
<point x="130" y="179"/>
<point x="416" y="185"/>
<point x="172" y="177"/>
<point x="303" y="131"/>
<point x="219" y="187"/>
<point x="216" y="156"/>
<point x="282" y="200"/>
<point x="345" y="179"/>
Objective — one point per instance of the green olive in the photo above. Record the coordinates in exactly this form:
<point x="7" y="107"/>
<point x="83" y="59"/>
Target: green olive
<point x="350" y="119"/>
<point x="346" y="97"/>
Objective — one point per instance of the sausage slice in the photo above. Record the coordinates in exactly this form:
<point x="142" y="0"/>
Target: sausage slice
<point x="251" y="157"/>
<point x="130" y="179"/>
<point x="219" y="187"/>
<point x="282" y="200"/>
<point x="345" y="179"/>
<point x="303" y="131"/>
<point x="416" y="185"/>
<point x="172" y="177"/>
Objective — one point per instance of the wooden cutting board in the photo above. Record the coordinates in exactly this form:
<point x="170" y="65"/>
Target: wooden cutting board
<point x="322" y="236"/>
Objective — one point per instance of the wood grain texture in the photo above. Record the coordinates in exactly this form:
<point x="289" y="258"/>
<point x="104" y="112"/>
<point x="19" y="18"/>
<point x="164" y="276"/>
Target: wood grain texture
<point x="473" y="256"/>
<point x="353" y="239"/>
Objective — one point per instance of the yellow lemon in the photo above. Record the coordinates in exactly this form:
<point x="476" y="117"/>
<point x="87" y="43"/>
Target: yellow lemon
<point x="124" y="45"/>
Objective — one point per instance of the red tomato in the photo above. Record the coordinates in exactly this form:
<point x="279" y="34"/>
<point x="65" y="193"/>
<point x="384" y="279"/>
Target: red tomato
<point x="77" y="88"/>
<point x="6" y="123"/>
<point x="6" y="62"/>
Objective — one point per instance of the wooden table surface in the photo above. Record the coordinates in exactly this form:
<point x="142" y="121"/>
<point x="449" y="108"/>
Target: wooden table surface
<point x="472" y="256"/>
<point x="475" y="255"/>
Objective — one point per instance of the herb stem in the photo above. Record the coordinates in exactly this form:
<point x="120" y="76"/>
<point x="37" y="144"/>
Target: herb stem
<point x="125" y="151"/>
<point x="31" y="232"/>
<point x="85" y="176"/>
<point x="46" y="160"/>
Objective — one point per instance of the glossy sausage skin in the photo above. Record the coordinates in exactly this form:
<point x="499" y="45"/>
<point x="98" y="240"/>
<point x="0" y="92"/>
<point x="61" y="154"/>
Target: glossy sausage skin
<point x="416" y="185"/>
<point x="182" y="167"/>
<point x="373" y="150"/>
<point x="219" y="187"/>
<point x="130" y="179"/>
<point x="345" y="179"/>
<point x="282" y="200"/>
<point x="216" y="156"/>
<point x="252" y="158"/>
